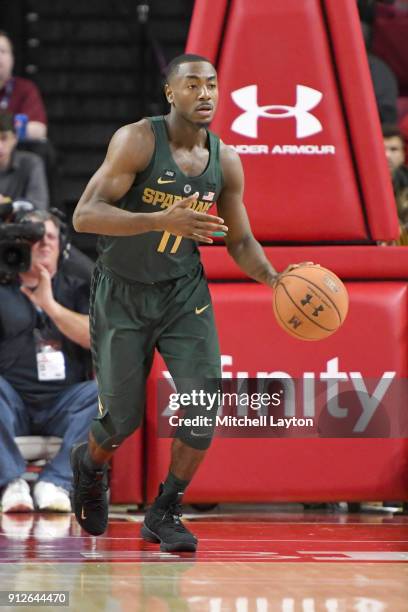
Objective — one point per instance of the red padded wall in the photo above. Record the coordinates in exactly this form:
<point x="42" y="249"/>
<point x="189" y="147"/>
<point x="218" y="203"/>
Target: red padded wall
<point x="371" y="341"/>
<point x="126" y="481"/>
<point x="362" y="116"/>
<point x="276" y="47"/>
<point x="353" y="262"/>
<point x="213" y="13"/>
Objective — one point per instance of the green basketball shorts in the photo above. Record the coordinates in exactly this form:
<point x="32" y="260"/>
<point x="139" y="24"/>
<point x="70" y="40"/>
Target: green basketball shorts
<point x="128" y="321"/>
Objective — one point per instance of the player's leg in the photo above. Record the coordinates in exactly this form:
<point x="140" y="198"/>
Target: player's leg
<point x="122" y="355"/>
<point x="189" y="345"/>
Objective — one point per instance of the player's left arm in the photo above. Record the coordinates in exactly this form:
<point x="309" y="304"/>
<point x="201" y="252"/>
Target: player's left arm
<point x="240" y="242"/>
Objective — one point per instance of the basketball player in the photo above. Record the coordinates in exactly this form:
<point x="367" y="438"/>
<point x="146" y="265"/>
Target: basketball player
<point x="149" y="201"/>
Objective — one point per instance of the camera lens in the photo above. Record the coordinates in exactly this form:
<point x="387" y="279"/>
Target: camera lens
<point x="13" y="256"/>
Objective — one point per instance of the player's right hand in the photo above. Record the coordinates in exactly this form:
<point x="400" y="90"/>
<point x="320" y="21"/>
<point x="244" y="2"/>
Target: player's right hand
<point x="289" y="268"/>
<point x="181" y="220"/>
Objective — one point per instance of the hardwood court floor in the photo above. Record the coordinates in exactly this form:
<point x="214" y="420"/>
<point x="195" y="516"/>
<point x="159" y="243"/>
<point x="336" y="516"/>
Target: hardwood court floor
<point x="253" y="561"/>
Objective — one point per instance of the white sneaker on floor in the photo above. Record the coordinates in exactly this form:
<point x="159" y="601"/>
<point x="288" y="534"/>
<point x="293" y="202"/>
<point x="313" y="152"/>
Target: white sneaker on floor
<point x="50" y="497"/>
<point x="16" y="497"/>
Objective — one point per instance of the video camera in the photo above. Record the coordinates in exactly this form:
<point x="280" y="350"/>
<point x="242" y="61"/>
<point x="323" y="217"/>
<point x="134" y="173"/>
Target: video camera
<point x="16" y="238"/>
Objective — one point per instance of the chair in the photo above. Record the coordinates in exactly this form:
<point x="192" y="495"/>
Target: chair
<point x="37" y="450"/>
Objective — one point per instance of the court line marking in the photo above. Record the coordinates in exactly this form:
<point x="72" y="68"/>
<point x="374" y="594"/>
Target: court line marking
<point x="309" y="540"/>
<point x="204" y="559"/>
<point x="232" y="540"/>
<point x="213" y="519"/>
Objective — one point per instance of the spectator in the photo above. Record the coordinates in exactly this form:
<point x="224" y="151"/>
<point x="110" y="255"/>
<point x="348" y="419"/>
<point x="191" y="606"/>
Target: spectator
<point x="44" y="371"/>
<point x="18" y="95"/>
<point x="385" y="88"/>
<point x="395" y="154"/>
<point x="384" y="81"/>
<point x="22" y="174"/>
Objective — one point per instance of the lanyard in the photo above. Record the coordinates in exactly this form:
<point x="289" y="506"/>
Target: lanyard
<point x="8" y="90"/>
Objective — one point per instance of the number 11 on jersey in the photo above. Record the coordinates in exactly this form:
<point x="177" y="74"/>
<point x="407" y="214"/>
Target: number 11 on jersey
<point x="163" y="243"/>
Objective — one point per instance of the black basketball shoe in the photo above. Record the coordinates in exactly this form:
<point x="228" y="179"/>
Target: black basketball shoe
<point x="162" y="524"/>
<point x="89" y="495"/>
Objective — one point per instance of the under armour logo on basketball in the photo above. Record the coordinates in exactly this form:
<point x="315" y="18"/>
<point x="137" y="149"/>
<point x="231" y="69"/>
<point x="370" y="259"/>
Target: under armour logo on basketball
<point x="316" y="311"/>
<point x="247" y="123"/>
<point x="294" y="321"/>
<point x="308" y="300"/>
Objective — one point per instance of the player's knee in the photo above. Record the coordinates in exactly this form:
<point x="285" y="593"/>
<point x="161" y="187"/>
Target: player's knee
<point x="109" y="432"/>
<point x="126" y="427"/>
<point x="197" y="426"/>
<point x="199" y="438"/>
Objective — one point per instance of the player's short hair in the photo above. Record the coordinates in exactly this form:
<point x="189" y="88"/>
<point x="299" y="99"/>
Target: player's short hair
<point x="391" y="131"/>
<point x="6" y="122"/>
<point x="185" y="58"/>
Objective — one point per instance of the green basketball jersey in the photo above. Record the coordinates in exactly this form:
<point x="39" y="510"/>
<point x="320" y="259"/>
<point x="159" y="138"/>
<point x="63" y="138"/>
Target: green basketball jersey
<point x="157" y="256"/>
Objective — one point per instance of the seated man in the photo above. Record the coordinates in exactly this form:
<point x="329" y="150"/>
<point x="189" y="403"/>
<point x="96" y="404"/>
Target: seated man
<point x="19" y="95"/>
<point x="22" y="174"/>
<point x="395" y="153"/>
<point x="44" y="371"/>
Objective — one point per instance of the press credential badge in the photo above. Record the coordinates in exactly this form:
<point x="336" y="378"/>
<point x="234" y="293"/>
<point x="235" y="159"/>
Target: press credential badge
<point x="50" y="358"/>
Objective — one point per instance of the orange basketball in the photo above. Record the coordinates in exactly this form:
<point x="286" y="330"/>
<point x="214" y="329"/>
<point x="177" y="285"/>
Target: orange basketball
<point x="310" y="302"/>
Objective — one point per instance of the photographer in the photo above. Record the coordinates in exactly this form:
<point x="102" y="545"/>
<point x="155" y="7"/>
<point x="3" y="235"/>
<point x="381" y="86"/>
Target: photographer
<point x="44" y="371"/>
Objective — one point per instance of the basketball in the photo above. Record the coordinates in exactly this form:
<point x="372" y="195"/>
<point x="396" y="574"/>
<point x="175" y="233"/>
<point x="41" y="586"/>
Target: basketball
<point x="310" y="302"/>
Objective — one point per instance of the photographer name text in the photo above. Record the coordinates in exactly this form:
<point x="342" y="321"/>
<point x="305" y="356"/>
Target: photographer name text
<point x="242" y="421"/>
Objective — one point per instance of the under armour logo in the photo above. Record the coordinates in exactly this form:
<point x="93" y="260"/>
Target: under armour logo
<point x="306" y="300"/>
<point x="247" y="123"/>
<point x="316" y="311"/>
<point x="294" y="321"/>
